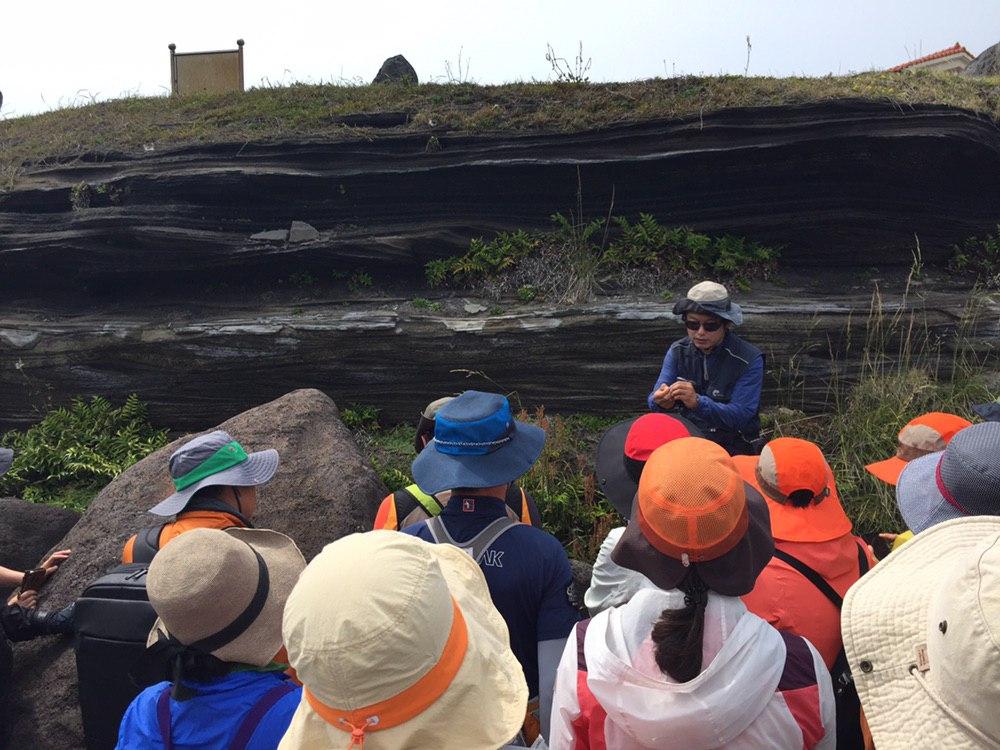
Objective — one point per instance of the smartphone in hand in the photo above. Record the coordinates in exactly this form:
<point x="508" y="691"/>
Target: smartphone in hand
<point x="33" y="579"/>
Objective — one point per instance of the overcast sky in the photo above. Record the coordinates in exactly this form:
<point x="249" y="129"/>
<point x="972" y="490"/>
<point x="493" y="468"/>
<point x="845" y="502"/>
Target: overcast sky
<point x="55" y="52"/>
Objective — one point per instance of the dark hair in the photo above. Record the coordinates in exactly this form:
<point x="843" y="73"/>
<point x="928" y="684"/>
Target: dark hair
<point x="425" y="429"/>
<point x="801" y="498"/>
<point x="678" y="633"/>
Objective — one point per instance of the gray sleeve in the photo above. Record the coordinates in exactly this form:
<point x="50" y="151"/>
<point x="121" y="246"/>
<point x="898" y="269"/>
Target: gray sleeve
<point x="549" y="654"/>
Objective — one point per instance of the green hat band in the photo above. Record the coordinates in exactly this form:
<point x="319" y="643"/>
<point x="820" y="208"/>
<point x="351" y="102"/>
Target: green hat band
<point x="226" y="457"/>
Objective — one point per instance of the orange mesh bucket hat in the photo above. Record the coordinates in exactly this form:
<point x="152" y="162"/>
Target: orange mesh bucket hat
<point x="928" y="433"/>
<point x="798" y="485"/>
<point x="694" y="510"/>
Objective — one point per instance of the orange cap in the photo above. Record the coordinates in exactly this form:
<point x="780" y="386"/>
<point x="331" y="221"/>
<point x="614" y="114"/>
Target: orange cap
<point x="691" y="502"/>
<point x="928" y="433"/>
<point x="785" y="468"/>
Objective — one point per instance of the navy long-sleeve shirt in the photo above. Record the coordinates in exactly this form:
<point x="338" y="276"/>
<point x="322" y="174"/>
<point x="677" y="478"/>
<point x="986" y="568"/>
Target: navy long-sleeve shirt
<point x="744" y="399"/>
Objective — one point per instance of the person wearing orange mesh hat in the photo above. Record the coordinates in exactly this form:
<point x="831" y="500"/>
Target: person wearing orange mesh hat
<point x="921" y="436"/>
<point x="685" y="665"/>
<point x="816" y="557"/>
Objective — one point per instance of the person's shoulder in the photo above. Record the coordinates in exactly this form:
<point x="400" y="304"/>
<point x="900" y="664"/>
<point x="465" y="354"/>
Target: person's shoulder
<point x="538" y="539"/>
<point x="145" y="701"/>
<point x="680" y="343"/>
<point x="740" y="348"/>
<point x="418" y="530"/>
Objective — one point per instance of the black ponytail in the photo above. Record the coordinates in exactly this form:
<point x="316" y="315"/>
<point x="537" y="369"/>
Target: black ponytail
<point x="678" y="633"/>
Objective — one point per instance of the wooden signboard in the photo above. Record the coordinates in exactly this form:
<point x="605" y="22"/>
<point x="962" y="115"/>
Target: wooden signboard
<point x="217" y="72"/>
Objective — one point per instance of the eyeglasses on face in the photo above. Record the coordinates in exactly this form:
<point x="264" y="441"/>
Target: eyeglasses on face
<point x="710" y="326"/>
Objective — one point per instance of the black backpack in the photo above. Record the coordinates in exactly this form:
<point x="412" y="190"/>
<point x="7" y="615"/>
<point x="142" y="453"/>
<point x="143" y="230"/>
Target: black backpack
<point x="846" y="694"/>
<point x="113" y="620"/>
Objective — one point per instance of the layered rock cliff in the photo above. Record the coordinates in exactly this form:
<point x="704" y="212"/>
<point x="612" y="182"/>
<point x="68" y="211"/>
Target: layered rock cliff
<point x="139" y="272"/>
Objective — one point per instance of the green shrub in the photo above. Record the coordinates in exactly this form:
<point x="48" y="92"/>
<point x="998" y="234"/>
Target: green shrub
<point x="359" y="281"/>
<point x="574" y="257"/>
<point x="483" y="259"/>
<point x="527" y="293"/>
<point x="74" y="451"/>
<point x="980" y="256"/>
<point x="360" y="416"/>
<point x="422" y="303"/>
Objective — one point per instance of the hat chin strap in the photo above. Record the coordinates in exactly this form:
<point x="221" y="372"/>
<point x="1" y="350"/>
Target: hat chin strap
<point x="984" y="739"/>
<point x="407" y="704"/>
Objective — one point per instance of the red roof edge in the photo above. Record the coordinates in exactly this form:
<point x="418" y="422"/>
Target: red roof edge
<point x="934" y="56"/>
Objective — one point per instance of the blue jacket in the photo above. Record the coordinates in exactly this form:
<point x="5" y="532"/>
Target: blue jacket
<point x="210" y="720"/>
<point x="728" y="382"/>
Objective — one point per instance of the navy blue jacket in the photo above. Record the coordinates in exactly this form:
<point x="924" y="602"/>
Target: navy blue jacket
<point x="728" y="382"/>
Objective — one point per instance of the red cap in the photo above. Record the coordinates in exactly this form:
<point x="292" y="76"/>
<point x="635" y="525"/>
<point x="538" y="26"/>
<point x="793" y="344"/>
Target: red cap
<point x="649" y="432"/>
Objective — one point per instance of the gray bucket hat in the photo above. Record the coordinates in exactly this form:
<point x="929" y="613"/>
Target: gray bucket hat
<point x="962" y="480"/>
<point x="6" y="459"/>
<point x="217" y="460"/>
<point x="711" y="298"/>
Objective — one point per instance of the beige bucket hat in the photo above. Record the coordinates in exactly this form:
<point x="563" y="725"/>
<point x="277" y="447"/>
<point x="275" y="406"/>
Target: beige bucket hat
<point x="223" y="592"/>
<point x="398" y="645"/>
<point x="922" y="635"/>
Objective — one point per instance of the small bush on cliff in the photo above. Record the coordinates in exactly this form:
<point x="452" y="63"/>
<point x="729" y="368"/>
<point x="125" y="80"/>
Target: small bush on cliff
<point x="980" y="256"/>
<point x="579" y="257"/>
<point x="74" y="451"/>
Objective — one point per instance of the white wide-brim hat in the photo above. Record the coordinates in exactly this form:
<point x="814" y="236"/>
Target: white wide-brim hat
<point x="920" y="632"/>
<point x="376" y="615"/>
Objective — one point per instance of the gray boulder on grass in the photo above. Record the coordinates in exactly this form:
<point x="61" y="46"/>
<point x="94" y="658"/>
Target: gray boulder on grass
<point x="986" y="64"/>
<point x="396" y="70"/>
<point x="324" y="489"/>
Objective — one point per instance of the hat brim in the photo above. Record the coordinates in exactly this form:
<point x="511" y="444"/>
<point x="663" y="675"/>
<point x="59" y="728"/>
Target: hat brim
<point x="435" y="472"/>
<point x="732" y="574"/>
<point x="261" y="641"/>
<point x="489" y="685"/>
<point x="259" y="468"/>
<point x="612" y="475"/>
<point x="920" y="502"/>
<point x="887" y="471"/>
<point x="734" y="313"/>
<point x="884" y="619"/>
<point x="6" y="460"/>
<point x="817" y="522"/>
<point x="990" y="412"/>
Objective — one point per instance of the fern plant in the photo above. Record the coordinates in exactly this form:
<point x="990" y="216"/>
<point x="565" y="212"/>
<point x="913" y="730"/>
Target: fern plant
<point x="73" y="451"/>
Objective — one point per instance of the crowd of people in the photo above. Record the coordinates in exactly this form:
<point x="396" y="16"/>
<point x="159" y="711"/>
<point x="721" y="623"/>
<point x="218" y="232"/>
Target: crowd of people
<point x="734" y="607"/>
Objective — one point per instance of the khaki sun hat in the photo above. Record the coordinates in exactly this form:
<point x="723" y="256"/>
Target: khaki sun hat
<point x="922" y="435"/>
<point x="223" y="592"/>
<point x="920" y="632"/>
<point x="398" y="645"/>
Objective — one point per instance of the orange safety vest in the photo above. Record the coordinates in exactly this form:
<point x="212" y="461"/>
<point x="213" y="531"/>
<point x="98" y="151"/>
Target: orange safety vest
<point x="194" y="519"/>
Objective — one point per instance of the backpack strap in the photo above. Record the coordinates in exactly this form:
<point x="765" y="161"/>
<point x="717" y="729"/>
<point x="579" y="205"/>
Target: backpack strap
<point x="480" y="543"/>
<point x="816" y="579"/>
<point x="812" y="576"/>
<point x="147" y="544"/>
<point x="428" y="502"/>
<point x="256" y="715"/>
<point x="163" y="718"/>
<point x="581" y="636"/>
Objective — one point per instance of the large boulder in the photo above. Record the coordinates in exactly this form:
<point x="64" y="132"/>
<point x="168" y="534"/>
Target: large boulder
<point x="987" y="64"/>
<point x="396" y="70"/>
<point x="29" y="530"/>
<point x="323" y="490"/>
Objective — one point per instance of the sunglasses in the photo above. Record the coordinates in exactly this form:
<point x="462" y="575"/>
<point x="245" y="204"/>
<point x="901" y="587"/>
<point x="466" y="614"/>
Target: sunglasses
<point x="711" y="326"/>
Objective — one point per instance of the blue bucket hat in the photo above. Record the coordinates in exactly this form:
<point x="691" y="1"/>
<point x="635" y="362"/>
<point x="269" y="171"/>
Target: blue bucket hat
<point x="217" y="460"/>
<point x="477" y="443"/>
<point x="962" y="480"/>
<point x="6" y="459"/>
<point x="711" y="298"/>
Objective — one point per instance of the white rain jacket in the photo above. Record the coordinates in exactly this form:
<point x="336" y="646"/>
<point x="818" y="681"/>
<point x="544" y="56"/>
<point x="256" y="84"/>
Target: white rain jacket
<point x="610" y="583"/>
<point x="745" y="697"/>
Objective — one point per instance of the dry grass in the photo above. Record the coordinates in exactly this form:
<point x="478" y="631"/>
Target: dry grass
<point x="126" y="125"/>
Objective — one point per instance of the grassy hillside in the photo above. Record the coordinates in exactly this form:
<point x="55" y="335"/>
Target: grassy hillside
<point x="125" y="125"/>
